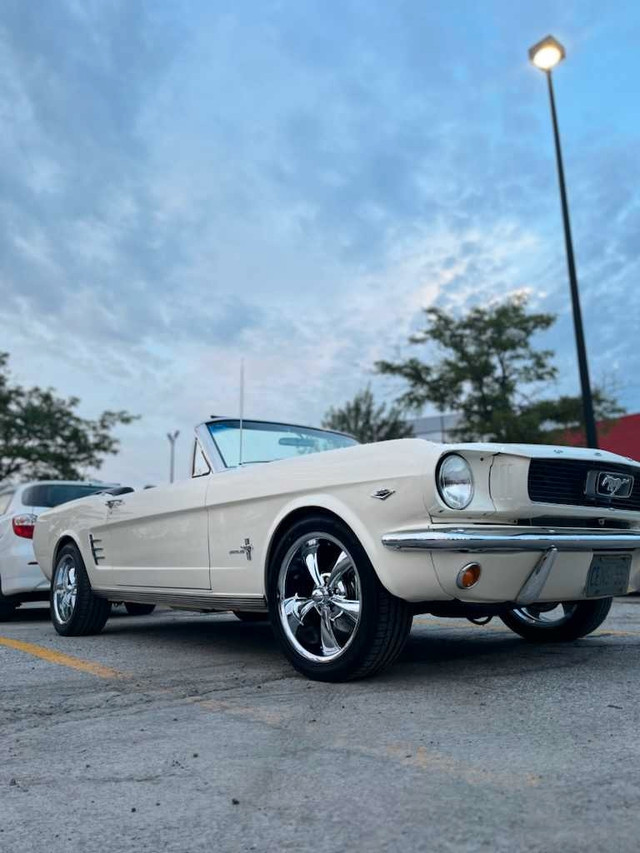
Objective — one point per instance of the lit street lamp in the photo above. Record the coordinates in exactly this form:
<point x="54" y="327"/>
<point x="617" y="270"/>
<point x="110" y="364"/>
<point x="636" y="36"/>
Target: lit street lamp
<point x="172" y="463"/>
<point x="545" y="55"/>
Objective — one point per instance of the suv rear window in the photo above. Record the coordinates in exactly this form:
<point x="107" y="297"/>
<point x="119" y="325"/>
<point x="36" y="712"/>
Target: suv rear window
<point x="54" y="494"/>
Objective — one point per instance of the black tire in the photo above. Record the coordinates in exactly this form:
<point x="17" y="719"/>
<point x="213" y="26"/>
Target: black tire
<point x="585" y="617"/>
<point x="384" y="620"/>
<point x="250" y="616"/>
<point x="88" y="614"/>
<point x="134" y="609"/>
<point x="7" y="607"/>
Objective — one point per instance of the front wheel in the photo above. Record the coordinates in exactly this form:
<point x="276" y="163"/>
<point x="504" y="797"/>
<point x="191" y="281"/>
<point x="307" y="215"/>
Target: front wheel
<point x="558" y="623"/>
<point x="334" y="619"/>
<point x="75" y="610"/>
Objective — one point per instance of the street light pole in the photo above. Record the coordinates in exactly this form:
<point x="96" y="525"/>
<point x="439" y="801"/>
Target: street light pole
<point x="546" y="55"/>
<point x="172" y="453"/>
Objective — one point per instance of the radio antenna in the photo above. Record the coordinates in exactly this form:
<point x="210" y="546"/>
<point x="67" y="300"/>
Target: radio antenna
<point x="241" y="409"/>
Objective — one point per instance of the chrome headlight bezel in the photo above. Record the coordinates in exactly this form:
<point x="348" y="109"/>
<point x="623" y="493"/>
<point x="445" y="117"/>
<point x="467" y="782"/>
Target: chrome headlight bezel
<point x="444" y="489"/>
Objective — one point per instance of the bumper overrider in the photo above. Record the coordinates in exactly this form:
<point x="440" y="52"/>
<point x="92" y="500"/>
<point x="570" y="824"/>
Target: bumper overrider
<point x="547" y="542"/>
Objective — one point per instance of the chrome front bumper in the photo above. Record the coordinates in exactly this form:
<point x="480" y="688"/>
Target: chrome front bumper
<point x="546" y="541"/>
<point x="474" y="540"/>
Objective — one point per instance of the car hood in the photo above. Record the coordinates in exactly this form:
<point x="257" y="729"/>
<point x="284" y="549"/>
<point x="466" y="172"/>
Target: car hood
<point x="544" y="451"/>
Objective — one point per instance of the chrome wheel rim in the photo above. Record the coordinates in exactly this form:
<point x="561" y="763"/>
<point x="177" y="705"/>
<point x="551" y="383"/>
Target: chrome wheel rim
<point x="65" y="589"/>
<point x="545" y="615"/>
<point x="319" y="597"/>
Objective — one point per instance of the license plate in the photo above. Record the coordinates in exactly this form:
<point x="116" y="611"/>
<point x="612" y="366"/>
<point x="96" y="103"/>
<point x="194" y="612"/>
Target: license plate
<point x="608" y="575"/>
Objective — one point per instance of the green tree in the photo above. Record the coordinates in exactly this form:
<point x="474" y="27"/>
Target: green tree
<point x="490" y="372"/>
<point x="366" y="421"/>
<point x="42" y="436"/>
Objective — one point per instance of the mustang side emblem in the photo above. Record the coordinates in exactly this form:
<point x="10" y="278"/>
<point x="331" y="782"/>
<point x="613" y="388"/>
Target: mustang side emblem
<point x="245" y="549"/>
<point x="383" y="494"/>
<point x="608" y="484"/>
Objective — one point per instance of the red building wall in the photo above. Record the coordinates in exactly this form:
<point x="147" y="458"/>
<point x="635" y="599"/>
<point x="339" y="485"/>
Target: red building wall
<point x="621" y="436"/>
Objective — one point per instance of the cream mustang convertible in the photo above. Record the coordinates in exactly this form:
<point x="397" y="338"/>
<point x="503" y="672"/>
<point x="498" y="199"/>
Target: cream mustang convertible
<point x="341" y="548"/>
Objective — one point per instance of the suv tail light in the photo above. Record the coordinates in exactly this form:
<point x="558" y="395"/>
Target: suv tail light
<point x="23" y="525"/>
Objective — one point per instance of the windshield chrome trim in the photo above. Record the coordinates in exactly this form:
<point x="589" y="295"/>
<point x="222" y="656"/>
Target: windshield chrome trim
<point x="221" y="418"/>
<point x="213" y="455"/>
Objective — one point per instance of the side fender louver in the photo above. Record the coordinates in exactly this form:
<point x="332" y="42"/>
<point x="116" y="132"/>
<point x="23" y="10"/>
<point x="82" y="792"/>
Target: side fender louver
<point x="96" y="549"/>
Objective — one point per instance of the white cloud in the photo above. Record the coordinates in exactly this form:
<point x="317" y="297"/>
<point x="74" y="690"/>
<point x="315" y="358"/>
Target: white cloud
<point x="194" y="185"/>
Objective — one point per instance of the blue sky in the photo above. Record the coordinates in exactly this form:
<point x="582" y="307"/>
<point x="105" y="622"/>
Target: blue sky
<point x="184" y="183"/>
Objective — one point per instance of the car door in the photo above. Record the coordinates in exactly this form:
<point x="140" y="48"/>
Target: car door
<point x="241" y="512"/>
<point x="157" y="537"/>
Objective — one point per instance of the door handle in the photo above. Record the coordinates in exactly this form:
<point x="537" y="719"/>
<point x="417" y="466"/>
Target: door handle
<point x="114" y="502"/>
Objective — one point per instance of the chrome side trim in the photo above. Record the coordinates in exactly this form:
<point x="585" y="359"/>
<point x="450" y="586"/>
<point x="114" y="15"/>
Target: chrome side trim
<point x="474" y="540"/>
<point x="188" y="600"/>
<point x="532" y="587"/>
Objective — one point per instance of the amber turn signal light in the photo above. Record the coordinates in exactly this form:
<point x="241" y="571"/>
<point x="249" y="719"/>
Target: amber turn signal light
<point x="468" y="575"/>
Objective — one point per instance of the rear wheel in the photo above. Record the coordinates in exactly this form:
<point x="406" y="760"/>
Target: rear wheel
<point x="134" y="609"/>
<point x="250" y="616"/>
<point x="558" y="623"/>
<point x="334" y="619"/>
<point x="75" y="610"/>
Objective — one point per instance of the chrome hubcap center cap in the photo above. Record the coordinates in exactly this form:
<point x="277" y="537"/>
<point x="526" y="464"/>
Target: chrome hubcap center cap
<point x="321" y="595"/>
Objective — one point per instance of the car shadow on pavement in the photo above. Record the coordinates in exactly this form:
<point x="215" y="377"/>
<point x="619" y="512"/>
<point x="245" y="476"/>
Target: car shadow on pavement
<point x="30" y="614"/>
<point x="443" y="651"/>
<point x="440" y="650"/>
<point x="221" y="633"/>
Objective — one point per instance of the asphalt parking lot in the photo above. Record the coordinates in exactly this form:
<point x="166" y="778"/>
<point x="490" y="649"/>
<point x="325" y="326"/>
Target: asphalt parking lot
<point x="187" y="732"/>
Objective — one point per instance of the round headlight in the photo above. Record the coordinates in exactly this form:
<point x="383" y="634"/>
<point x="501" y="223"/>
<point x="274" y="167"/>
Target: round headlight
<point x="455" y="482"/>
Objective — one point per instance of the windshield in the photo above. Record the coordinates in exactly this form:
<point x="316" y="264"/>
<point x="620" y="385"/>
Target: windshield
<point x="266" y="442"/>
<point x="54" y="494"/>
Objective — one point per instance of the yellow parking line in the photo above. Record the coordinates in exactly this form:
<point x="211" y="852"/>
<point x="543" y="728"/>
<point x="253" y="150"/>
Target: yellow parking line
<point x="52" y="656"/>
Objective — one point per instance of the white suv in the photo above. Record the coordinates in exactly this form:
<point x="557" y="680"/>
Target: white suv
<point x="20" y="576"/>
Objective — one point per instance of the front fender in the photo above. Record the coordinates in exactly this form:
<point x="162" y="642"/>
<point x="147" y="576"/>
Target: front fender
<point x="407" y="575"/>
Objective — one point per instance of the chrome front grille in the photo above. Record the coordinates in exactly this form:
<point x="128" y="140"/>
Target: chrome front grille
<point x="564" y="481"/>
